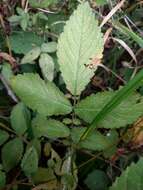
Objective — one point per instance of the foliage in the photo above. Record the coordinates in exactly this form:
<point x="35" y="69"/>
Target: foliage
<point x="65" y="123"/>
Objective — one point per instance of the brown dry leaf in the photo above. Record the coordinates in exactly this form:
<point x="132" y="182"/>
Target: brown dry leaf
<point x="8" y="58"/>
<point x="138" y="132"/>
<point x="107" y="34"/>
<point x="112" y="12"/>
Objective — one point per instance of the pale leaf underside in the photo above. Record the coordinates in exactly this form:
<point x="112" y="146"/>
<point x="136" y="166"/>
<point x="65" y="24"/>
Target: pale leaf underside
<point x="80" y="41"/>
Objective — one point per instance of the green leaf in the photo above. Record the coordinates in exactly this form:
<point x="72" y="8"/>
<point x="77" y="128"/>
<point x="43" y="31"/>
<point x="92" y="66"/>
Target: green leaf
<point x="49" y="128"/>
<point x="101" y="2"/>
<point x="31" y="55"/>
<point x="125" y="113"/>
<point x="3" y="136"/>
<point x="96" y="141"/>
<point x="43" y="97"/>
<point x="14" y="18"/>
<point x="120" y="96"/>
<point x="7" y="71"/>
<point x="42" y="3"/>
<point x="23" y="42"/>
<point x="29" y="162"/>
<point x="97" y="180"/>
<point x="49" y="47"/>
<point x="20" y="118"/>
<point x="43" y="175"/>
<point x="47" y="66"/>
<point x="131" y="178"/>
<point x="80" y="41"/>
<point x="12" y="153"/>
<point x="2" y="179"/>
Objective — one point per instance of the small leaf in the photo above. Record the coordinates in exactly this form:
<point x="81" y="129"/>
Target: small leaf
<point x="12" y="153"/>
<point x="41" y="4"/>
<point x="101" y="2"/>
<point x="3" y="136"/>
<point x="80" y="41"/>
<point x="47" y="66"/>
<point x="7" y="71"/>
<point x="43" y="97"/>
<point x="49" y="47"/>
<point x="96" y="141"/>
<point x="20" y="118"/>
<point x="131" y="178"/>
<point x="14" y="18"/>
<point x="2" y="179"/>
<point x="21" y="46"/>
<point x="29" y="162"/>
<point x="49" y="128"/>
<point x="31" y="55"/>
<point x="43" y="175"/>
<point x="125" y="113"/>
<point x="97" y="180"/>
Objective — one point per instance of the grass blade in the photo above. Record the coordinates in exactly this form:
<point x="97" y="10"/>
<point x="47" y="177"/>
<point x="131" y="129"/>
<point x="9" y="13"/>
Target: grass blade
<point x="114" y="102"/>
<point x="129" y="33"/>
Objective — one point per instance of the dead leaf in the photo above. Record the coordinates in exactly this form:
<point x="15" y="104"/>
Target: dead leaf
<point x="138" y="132"/>
<point x="8" y="58"/>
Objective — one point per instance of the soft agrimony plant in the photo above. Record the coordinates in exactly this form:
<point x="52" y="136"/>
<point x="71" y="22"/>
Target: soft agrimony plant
<point x="80" y="50"/>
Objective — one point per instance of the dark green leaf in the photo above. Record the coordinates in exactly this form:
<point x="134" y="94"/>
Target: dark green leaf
<point x="12" y="153"/>
<point x="2" y="179"/>
<point x="29" y="162"/>
<point x="97" y="180"/>
<point x="3" y="136"/>
<point x="23" y="42"/>
<point x="20" y="118"/>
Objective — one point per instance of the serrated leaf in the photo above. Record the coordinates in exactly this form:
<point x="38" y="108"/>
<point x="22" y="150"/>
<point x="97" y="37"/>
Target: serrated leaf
<point x="12" y="153"/>
<point x="96" y="141"/>
<point x="3" y="136"/>
<point x="47" y="66"/>
<point x="49" y="128"/>
<point x="23" y="42"/>
<point x="2" y="179"/>
<point x="20" y="118"/>
<point x="80" y="41"/>
<point x="125" y="113"/>
<point x="131" y="178"/>
<point x="31" y="55"/>
<point x="29" y="162"/>
<point x="42" y="97"/>
<point x="49" y="47"/>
